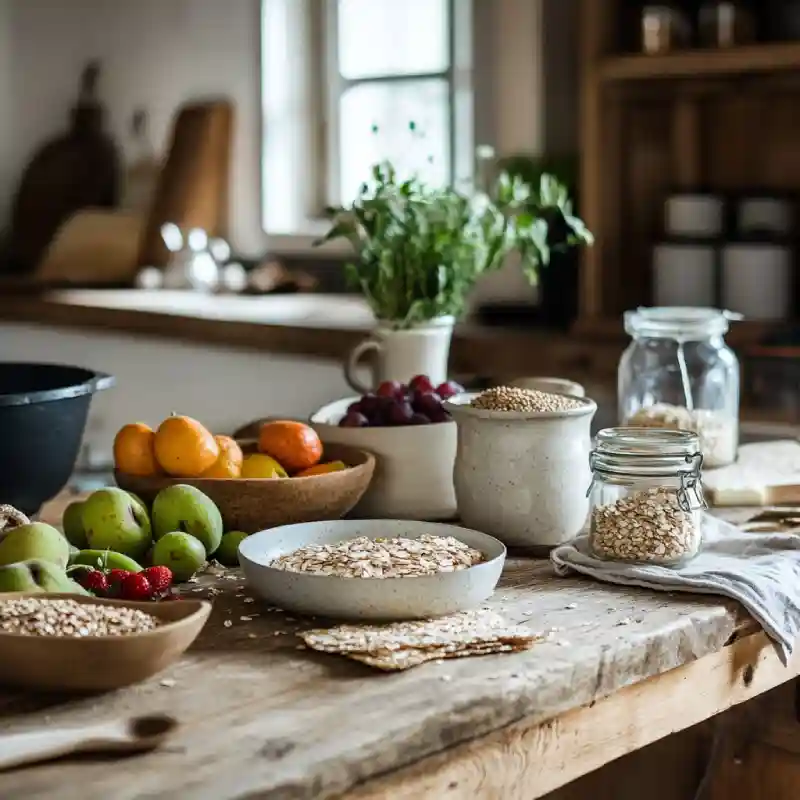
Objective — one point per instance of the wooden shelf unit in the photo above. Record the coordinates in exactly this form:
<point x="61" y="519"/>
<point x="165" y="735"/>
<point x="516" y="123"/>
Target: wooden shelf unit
<point x="759" y="58"/>
<point x="725" y="120"/>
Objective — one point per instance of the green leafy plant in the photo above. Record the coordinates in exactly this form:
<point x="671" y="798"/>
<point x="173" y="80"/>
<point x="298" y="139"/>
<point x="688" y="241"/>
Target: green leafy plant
<point x="421" y="249"/>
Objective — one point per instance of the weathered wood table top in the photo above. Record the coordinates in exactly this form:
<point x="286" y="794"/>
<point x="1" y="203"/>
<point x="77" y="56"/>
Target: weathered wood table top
<point x="262" y="718"/>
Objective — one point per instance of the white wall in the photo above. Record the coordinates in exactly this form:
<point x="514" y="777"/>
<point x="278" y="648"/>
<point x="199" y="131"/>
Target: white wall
<point x="223" y="387"/>
<point x="159" y="53"/>
<point x="156" y="54"/>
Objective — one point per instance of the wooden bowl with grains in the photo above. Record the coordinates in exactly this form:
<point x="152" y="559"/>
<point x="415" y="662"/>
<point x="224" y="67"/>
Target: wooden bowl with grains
<point x="80" y="644"/>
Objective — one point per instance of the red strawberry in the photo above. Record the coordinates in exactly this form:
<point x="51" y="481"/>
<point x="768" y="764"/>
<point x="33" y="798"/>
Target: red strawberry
<point x="134" y="586"/>
<point x="115" y="577"/>
<point x="93" y="581"/>
<point x="160" y="578"/>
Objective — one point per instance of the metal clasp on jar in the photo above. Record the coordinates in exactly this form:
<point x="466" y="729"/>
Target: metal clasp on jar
<point x="690" y="495"/>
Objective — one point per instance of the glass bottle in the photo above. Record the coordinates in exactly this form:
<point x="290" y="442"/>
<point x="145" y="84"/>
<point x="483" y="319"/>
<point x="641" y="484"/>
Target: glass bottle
<point x="679" y="373"/>
<point x="646" y="499"/>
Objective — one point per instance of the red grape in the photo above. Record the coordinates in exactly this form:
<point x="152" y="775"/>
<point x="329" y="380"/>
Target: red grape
<point x="449" y="389"/>
<point x="420" y="383"/>
<point x="354" y="419"/>
<point x="390" y="389"/>
<point x="419" y="419"/>
<point x="369" y="404"/>
<point x="439" y="415"/>
<point x="354" y="407"/>
<point x="400" y="413"/>
<point x="426" y="403"/>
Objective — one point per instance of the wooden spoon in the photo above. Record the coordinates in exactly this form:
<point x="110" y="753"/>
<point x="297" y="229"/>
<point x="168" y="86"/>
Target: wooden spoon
<point x="132" y="735"/>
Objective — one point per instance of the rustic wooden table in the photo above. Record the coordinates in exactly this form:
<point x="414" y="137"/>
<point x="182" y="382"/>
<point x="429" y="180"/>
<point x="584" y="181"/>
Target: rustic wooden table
<point x="262" y="718"/>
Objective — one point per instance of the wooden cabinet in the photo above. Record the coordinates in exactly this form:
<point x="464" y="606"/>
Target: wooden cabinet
<point x="719" y="119"/>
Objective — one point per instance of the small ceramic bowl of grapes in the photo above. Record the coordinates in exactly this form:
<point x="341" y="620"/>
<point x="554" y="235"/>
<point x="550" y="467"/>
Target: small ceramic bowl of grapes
<point x="413" y="439"/>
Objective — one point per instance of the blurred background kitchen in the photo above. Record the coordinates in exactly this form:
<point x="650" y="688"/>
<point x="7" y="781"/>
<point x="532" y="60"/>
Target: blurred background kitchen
<point x="165" y="166"/>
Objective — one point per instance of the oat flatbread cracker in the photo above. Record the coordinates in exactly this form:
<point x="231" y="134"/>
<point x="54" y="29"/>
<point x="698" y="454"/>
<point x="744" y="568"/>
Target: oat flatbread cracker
<point x="466" y="628"/>
<point x="397" y="660"/>
<point x="402" y="645"/>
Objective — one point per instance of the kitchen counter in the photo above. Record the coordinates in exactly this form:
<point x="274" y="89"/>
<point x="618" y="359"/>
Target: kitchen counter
<point x="313" y="325"/>
<point x="261" y="718"/>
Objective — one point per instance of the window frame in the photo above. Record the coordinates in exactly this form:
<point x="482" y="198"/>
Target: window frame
<point x="303" y="188"/>
<point x="335" y="85"/>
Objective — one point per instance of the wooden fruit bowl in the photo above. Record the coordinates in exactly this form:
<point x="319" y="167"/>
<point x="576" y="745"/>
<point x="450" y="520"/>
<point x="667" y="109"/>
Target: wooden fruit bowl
<point x="251" y="505"/>
<point x="100" y="663"/>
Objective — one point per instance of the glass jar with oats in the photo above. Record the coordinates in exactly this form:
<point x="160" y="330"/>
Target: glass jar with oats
<point x="678" y="373"/>
<point x="646" y="500"/>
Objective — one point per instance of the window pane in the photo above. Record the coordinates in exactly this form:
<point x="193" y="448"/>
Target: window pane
<point x="391" y="106"/>
<point x="392" y="37"/>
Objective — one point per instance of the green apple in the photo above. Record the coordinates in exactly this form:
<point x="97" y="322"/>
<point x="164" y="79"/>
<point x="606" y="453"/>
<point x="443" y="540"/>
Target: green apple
<point x="228" y="552"/>
<point x="115" y="521"/>
<point x="142" y="504"/>
<point x="36" y="575"/>
<point x="72" y="523"/>
<point x="181" y="552"/>
<point x="35" y="540"/>
<point x="186" y="508"/>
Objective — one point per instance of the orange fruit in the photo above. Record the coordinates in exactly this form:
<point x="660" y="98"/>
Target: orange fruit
<point x="184" y="447"/>
<point x="134" y="451"/>
<point x="293" y="444"/>
<point x="229" y="461"/>
<point x="322" y="469"/>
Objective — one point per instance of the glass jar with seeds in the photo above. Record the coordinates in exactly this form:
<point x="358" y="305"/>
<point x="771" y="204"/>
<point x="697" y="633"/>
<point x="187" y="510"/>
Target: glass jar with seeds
<point x="646" y="498"/>
<point x="678" y="373"/>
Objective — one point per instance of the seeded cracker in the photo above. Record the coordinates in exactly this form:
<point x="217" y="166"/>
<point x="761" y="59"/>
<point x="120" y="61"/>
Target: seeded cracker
<point x="402" y="645"/>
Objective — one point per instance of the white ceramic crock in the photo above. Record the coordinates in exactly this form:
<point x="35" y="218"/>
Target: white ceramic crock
<point x="402" y="353"/>
<point x="413" y="476"/>
<point x="552" y="385"/>
<point x="522" y="477"/>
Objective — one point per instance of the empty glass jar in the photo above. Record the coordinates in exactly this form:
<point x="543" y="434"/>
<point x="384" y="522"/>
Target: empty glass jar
<point x="678" y="373"/>
<point x="646" y="500"/>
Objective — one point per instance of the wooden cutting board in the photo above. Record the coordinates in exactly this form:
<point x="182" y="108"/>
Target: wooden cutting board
<point x="765" y="474"/>
<point x="94" y="247"/>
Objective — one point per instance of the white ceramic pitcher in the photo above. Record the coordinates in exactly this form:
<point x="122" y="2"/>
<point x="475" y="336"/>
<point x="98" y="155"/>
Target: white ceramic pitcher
<point x="400" y="354"/>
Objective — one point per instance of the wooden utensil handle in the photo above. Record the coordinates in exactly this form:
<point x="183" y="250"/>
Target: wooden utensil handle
<point x="28" y="748"/>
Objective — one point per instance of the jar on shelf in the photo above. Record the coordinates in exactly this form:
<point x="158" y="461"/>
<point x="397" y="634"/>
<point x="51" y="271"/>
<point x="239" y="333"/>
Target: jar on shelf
<point x="646" y="498"/>
<point x="678" y="373"/>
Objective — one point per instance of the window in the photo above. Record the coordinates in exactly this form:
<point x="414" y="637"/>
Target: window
<point x="389" y="68"/>
<point x="341" y="82"/>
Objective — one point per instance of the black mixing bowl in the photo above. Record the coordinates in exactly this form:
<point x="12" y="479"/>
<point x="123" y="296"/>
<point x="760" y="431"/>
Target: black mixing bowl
<point x="43" y="410"/>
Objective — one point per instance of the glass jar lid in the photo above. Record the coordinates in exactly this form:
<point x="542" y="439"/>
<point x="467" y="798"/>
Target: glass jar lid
<point x="646" y="452"/>
<point x="681" y="323"/>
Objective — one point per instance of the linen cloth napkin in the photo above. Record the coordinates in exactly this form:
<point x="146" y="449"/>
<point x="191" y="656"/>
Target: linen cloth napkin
<point x="760" y="570"/>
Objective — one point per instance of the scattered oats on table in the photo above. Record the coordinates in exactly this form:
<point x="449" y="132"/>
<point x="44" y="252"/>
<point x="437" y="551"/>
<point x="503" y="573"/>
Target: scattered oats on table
<point x="40" y="616"/>
<point x="401" y="645"/>
<point x="511" y="398"/>
<point x="382" y="558"/>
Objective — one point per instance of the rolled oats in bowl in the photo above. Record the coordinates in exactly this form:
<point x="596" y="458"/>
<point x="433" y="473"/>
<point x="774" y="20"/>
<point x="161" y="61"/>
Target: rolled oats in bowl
<point x="372" y="569"/>
<point x="397" y="557"/>
<point x="43" y="616"/>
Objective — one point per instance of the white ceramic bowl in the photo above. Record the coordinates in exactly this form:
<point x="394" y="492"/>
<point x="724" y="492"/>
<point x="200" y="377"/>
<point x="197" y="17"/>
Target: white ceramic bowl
<point x="413" y="476"/>
<point x="368" y="598"/>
